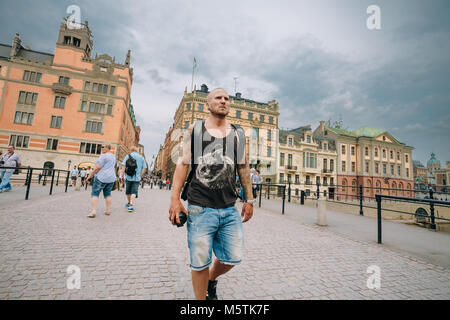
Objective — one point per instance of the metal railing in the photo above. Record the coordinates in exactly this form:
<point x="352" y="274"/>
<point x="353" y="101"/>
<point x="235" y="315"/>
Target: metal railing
<point x="47" y="172"/>
<point x="431" y="202"/>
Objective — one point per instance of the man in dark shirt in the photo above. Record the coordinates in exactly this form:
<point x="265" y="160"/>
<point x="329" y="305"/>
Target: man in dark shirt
<point x="213" y="222"/>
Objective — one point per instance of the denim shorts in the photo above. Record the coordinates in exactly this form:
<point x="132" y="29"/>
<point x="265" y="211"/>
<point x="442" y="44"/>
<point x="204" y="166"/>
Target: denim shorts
<point x="98" y="186"/>
<point x="131" y="187"/>
<point x="211" y="229"/>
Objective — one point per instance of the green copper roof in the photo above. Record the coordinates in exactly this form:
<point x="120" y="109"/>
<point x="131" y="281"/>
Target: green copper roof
<point x="361" y="132"/>
<point x="433" y="159"/>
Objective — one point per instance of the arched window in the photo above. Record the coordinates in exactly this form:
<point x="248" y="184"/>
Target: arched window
<point x="354" y="186"/>
<point x="344" y="183"/>
<point x="378" y="186"/>
<point x="394" y="186"/>
<point x="400" y="186"/>
<point x="48" y="166"/>
<point x="369" y="186"/>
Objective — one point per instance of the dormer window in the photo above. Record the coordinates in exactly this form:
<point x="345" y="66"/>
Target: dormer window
<point x="308" y="139"/>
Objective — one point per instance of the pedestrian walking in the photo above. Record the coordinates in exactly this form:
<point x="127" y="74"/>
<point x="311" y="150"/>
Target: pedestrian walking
<point x="39" y="177"/>
<point x="88" y="172"/>
<point x="8" y="159"/>
<point x="104" y="178"/>
<point x="133" y="167"/>
<point x="213" y="222"/>
<point x="83" y="176"/>
<point x="73" y="176"/>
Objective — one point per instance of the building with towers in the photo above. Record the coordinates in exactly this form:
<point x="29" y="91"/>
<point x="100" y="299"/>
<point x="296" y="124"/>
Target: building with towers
<point x="58" y="108"/>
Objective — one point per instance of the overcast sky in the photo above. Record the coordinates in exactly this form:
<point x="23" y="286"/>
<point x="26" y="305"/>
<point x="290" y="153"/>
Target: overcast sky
<point x="318" y="59"/>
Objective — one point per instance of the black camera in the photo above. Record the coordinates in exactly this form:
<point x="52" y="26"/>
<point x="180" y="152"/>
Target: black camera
<point x="183" y="219"/>
<point x="2" y="162"/>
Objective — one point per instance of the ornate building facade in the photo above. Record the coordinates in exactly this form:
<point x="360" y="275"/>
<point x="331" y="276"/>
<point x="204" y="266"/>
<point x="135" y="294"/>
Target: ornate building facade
<point x="57" y="109"/>
<point x="306" y="161"/>
<point x="372" y="158"/>
<point x="259" y="121"/>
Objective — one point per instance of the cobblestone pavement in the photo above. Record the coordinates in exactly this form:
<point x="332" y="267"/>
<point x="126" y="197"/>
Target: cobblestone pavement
<point x="142" y="256"/>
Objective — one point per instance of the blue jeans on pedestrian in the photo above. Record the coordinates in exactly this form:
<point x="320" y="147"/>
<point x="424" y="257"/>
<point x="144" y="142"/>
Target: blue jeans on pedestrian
<point x="218" y="230"/>
<point x="5" y="180"/>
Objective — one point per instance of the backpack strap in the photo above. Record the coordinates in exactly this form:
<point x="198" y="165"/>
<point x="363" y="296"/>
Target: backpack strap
<point x="195" y="136"/>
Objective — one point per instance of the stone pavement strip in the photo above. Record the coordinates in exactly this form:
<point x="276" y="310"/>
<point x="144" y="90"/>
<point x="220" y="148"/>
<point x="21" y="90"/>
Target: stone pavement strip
<point x="142" y="256"/>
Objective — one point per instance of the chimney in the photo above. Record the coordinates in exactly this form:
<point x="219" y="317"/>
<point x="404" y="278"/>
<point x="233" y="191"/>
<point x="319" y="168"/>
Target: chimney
<point x="17" y="44"/>
<point x="322" y="127"/>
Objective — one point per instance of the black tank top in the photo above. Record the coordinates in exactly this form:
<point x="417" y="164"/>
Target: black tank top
<point x="213" y="182"/>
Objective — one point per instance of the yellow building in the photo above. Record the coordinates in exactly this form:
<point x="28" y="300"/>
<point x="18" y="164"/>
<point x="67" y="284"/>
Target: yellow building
<point x="305" y="161"/>
<point x="259" y="121"/>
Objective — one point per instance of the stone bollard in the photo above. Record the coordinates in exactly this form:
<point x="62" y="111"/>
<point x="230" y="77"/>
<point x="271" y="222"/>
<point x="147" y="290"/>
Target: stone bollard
<point x="322" y="212"/>
<point x="77" y="184"/>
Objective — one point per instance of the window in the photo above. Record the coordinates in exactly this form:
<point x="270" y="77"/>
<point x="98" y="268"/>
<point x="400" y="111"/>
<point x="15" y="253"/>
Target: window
<point x="325" y="164"/>
<point x="398" y="171"/>
<point x="384" y="153"/>
<point x="91" y="148"/>
<point x="307" y="180"/>
<point x="24" y="118"/>
<point x="200" y="107"/>
<point x="367" y="166"/>
<point x="281" y="159"/>
<point x="392" y="169"/>
<point x="100" y="88"/>
<point x="353" y="150"/>
<point x="406" y="158"/>
<point x="84" y="106"/>
<point x="105" y="89"/>
<point x="331" y="181"/>
<point x="331" y="164"/>
<point x="186" y="124"/>
<point x="28" y="98"/>
<point x="353" y="166"/>
<point x="290" y="160"/>
<point x="261" y="118"/>
<point x="56" y="122"/>
<point x="94" y="126"/>
<point x="289" y="178"/>
<point x="19" y="141"/>
<point x="407" y="172"/>
<point x="354" y="186"/>
<point x="297" y="179"/>
<point x="95" y="87"/>
<point x="113" y="90"/>
<point x="324" y="146"/>
<point x="32" y="76"/>
<point x="271" y="120"/>
<point x="376" y="152"/>
<point x="60" y="102"/>
<point x="269" y="135"/>
<point x="188" y="107"/>
<point x="281" y="177"/>
<point x="109" y="112"/>
<point x="290" y="141"/>
<point x="238" y="114"/>
<point x="344" y="184"/>
<point x="52" y="144"/>
<point x="269" y="151"/>
<point x="398" y="155"/>
<point x="64" y="80"/>
<point x="377" y="165"/>
<point x="343" y="150"/>
<point x="366" y="151"/>
<point x="392" y="154"/>
<point x="250" y="116"/>
<point x="343" y="167"/>
<point x="255" y="132"/>
<point x="384" y="168"/>
<point x="87" y="86"/>
<point x="309" y="160"/>
<point x="308" y="139"/>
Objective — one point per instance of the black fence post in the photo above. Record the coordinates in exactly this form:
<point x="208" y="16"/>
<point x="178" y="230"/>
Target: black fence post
<point x="57" y="179"/>
<point x="260" y="194"/>
<point x="142" y="184"/>
<point x="44" y="182"/>
<point x="433" y="224"/>
<point x="67" y="181"/>
<point x="53" y="179"/>
<point x="284" y="198"/>
<point x="378" y="198"/>
<point x="318" y="191"/>
<point x="289" y="192"/>
<point x="302" y="197"/>
<point x="268" y="192"/>
<point x="361" y="200"/>
<point x="29" y="175"/>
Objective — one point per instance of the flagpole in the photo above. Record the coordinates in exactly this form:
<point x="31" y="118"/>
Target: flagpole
<point x="193" y="68"/>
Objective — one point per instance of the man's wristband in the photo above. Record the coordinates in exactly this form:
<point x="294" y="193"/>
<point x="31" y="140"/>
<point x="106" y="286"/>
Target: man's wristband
<point x="252" y="202"/>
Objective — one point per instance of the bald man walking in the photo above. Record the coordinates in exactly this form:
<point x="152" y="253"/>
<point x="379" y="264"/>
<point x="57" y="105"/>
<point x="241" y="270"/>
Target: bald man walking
<point x="213" y="223"/>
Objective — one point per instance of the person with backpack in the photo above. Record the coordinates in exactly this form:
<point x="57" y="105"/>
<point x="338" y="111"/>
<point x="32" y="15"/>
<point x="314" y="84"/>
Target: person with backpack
<point x="133" y="167"/>
<point x="216" y="150"/>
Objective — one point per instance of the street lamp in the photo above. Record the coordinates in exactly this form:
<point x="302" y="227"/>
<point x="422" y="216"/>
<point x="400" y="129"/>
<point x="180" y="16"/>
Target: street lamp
<point x="68" y="164"/>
